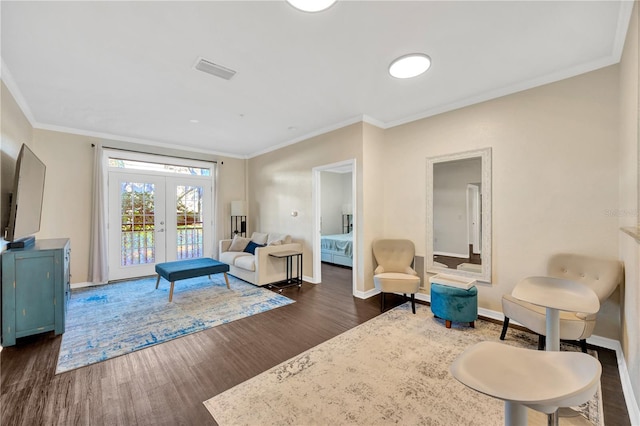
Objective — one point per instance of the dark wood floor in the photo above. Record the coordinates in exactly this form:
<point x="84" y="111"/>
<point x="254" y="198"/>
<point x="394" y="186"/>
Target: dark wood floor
<point x="453" y="262"/>
<point x="166" y="384"/>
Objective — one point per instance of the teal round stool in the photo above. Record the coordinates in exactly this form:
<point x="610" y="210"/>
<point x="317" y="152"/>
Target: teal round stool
<point x="454" y="304"/>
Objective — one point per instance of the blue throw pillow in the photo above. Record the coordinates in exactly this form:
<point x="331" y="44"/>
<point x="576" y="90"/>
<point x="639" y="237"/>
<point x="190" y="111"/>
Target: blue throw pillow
<point x="251" y="247"/>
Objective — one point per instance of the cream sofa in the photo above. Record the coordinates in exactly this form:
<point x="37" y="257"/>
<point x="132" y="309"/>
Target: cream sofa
<point x="258" y="268"/>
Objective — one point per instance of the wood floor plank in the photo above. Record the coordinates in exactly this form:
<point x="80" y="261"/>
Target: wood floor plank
<point x="166" y="384"/>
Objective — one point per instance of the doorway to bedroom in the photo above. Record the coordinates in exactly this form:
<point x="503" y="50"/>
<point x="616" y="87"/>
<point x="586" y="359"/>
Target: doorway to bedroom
<point x="335" y="228"/>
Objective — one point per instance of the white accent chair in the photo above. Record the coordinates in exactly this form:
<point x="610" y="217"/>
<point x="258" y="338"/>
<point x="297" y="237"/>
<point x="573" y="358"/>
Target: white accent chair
<point x="601" y="275"/>
<point x="394" y="273"/>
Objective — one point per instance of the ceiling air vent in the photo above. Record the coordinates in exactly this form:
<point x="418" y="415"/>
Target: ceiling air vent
<point x="214" y="69"/>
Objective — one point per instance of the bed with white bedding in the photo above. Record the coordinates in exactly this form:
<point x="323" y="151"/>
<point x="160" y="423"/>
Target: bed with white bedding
<point x="337" y="249"/>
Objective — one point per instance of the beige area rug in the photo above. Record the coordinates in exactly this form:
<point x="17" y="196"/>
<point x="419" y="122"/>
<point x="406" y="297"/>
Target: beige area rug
<point x="393" y="369"/>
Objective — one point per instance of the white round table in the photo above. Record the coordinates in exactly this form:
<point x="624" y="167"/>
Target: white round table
<point x="556" y="294"/>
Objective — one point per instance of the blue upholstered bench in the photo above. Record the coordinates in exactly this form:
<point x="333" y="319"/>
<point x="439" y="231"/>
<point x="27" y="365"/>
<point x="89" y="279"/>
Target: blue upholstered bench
<point x="190" y="268"/>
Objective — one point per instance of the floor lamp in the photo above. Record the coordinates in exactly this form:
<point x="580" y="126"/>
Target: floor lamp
<point x="239" y="218"/>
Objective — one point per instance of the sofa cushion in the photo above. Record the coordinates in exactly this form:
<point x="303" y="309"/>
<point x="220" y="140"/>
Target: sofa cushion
<point x="229" y="257"/>
<point x="251" y="247"/>
<point x="278" y="239"/>
<point x="239" y="243"/>
<point x="246" y="262"/>
<point x="259" y="238"/>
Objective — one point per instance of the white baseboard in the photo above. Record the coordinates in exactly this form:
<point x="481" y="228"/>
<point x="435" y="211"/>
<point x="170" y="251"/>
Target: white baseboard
<point x="424" y="297"/>
<point x="309" y="280"/>
<point x="625" y="379"/>
<point x="82" y="285"/>
<point x="366" y="294"/>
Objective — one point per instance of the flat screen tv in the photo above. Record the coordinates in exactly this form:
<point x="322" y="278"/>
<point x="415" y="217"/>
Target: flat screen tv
<point x="26" y="199"/>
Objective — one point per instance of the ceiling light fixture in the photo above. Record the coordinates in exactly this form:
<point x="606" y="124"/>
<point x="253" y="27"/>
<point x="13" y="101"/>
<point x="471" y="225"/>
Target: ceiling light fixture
<point x="311" y="5"/>
<point x="411" y="65"/>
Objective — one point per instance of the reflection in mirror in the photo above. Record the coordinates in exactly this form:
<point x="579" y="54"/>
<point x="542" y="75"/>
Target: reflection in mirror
<point x="459" y="214"/>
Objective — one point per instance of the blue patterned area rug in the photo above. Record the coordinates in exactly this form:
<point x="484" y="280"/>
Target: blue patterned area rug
<point x="115" y="319"/>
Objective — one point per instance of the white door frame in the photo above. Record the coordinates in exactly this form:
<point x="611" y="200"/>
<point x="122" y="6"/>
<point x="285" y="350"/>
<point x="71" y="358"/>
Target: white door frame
<point x="167" y="178"/>
<point x="171" y="183"/>
<point x="317" y="218"/>
<point x="116" y="271"/>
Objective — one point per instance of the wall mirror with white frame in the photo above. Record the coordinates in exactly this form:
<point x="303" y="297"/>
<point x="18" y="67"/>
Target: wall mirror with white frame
<point x="459" y="214"/>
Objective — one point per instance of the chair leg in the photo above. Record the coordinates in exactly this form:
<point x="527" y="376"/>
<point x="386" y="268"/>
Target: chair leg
<point x="413" y="303"/>
<point x="447" y="323"/>
<point x="583" y="345"/>
<point x="472" y="324"/>
<point x="505" y="325"/>
<point x="157" y="281"/>
<point x="542" y="342"/>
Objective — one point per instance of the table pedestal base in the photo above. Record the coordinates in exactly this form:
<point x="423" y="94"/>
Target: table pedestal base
<point x="514" y="413"/>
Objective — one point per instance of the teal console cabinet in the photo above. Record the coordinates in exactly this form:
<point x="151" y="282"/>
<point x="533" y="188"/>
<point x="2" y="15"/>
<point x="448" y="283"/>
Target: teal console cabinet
<point x="35" y="289"/>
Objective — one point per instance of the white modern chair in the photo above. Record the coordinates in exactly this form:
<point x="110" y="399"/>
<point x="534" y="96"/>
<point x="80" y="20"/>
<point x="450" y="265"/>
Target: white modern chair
<point x="601" y="275"/>
<point x="524" y="378"/>
<point x="394" y="273"/>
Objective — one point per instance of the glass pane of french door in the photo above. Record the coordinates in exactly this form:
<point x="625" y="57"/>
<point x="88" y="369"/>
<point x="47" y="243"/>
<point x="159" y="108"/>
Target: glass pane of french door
<point x="190" y="235"/>
<point x="189" y="224"/>
<point x="136" y="224"/>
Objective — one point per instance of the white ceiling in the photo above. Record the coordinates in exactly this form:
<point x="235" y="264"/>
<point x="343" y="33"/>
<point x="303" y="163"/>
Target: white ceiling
<point x="124" y="70"/>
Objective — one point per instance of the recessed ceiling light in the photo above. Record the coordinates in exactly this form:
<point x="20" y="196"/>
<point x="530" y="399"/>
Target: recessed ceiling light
<point x="311" y="5"/>
<point x="194" y="121"/>
<point x="410" y="65"/>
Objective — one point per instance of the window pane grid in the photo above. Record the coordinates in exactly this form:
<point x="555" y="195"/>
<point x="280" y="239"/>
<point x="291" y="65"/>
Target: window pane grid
<point x="189" y="240"/>
<point x="137" y="223"/>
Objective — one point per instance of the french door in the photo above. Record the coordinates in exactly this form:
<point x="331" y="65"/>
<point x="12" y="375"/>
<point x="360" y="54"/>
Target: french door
<point x="154" y="219"/>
